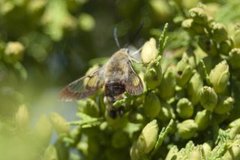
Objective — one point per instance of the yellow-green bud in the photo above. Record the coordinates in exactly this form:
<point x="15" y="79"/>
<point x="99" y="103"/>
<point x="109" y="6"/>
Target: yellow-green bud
<point x="219" y="76"/>
<point x="120" y="139"/>
<point x="13" y="52"/>
<point x="234" y="58"/>
<point x="184" y="108"/>
<point x="43" y="130"/>
<point x="83" y="147"/>
<point x="234" y="128"/>
<point x="194" y="86"/>
<point x="218" y="32"/>
<point x="236" y="38"/>
<point x="196" y="154"/>
<point x="208" y="98"/>
<point x="225" y="104"/>
<point x="153" y="75"/>
<point x="149" y="135"/>
<point x="187" y="129"/>
<point x="149" y="51"/>
<point x="202" y="119"/>
<point x="235" y="123"/>
<point x="192" y="27"/>
<point x="50" y="153"/>
<point x="172" y="153"/>
<point x="184" y="71"/>
<point x="233" y="152"/>
<point x="187" y="24"/>
<point x="135" y="117"/>
<point x="151" y="105"/>
<point x="225" y="47"/>
<point x="36" y="6"/>
<point x="206" y="149"/>
<point x="186" y="4"/>
<point x="22" y="117"/>
<point x="89" y="107"/>
<point x="86" y="22"/>
<point x="207" y="45"/>
<point x="59" y="123"/>
<point x="161" y="9"/>
<point x="168" y="84"/>
<point x="146" y="141"/>
<point x="199" y="15"/>
<point x="166" y="112"/>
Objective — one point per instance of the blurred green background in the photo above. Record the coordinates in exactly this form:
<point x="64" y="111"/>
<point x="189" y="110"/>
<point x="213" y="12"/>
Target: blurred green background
<point x="45" y="44"/>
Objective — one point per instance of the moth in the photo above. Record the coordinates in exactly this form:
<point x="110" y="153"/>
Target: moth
<point x="116" y="77"/>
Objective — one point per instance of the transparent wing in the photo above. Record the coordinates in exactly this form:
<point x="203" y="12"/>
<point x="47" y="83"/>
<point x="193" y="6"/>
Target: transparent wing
<point x="133" y="84"/>
<point x="83" y="87"/>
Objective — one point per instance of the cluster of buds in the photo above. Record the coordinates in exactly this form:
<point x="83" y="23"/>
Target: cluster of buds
<point x="196" y="91"/>
<point x="226" y="146"/>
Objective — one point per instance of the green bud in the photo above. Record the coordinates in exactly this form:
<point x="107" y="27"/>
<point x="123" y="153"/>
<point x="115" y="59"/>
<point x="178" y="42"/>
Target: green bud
<point x="202" y="119"/>
<point x="194" y="86"/>
<point x="218" y="32"/>
<point x="93" y="147"/>
<point x="234" y="58"/>
<point x="219" y="76"/>
<point x="168" y="83"/>
<point x="207" y="45"/>
<point x="225" y="47"/>
<point x="146" y="141"/>
<point x="59" y="123"/>
<point x="225" y="104"/>
<point x="50" y="153"/>
<point x="184" y="71"/>
<point x="22" y="117"/>
<point x="153" y="75"/>
<point x="151" y="105"/>
<point x="198" y="15"/>
<point x="86" y="22"/>
<point x="208" y="98"/>
<point x="120" y="139"/>
<point x="149" y="51"/>
<point x="13" y="52"/>
<point x="187" y="129"/>
<point x="184" y="108"/>
<point x="89" y="107"/>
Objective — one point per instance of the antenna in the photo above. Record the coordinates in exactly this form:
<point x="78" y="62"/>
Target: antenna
<point x="115" y="35"/>
<point x="135" y="35"/>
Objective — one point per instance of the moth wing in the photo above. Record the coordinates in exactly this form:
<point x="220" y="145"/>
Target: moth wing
<point x="133" y="84"/>
<point x="83" y="87"/>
